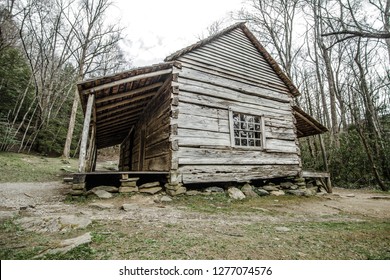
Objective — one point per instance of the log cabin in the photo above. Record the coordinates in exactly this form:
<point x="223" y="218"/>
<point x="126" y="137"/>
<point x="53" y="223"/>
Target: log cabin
<point x="220" y="110"/>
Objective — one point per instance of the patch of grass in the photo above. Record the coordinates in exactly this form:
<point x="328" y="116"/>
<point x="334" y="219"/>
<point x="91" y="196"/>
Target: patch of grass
<point x="15" y="242"/>
<point x="326" y="240"/>
<point x="31" y="168"/>
<point x="221" y="203"/>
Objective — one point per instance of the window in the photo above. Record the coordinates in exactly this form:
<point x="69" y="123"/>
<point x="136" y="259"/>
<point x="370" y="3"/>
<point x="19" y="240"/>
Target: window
<point x="247" y="130"/>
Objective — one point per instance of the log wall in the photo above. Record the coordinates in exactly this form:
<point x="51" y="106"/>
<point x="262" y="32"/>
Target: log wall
<point x="230" y="73"/>
<point x="149" y="148"/>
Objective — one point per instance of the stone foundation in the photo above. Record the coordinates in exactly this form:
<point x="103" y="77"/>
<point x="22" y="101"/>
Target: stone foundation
<point x="281" y="186"/>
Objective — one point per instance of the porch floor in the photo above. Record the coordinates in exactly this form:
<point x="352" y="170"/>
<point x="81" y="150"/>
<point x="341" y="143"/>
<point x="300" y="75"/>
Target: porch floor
<point x="112" y="178"/>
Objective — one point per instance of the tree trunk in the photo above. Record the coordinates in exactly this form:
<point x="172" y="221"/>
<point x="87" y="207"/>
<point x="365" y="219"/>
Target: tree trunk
<point x="72" y="123"/>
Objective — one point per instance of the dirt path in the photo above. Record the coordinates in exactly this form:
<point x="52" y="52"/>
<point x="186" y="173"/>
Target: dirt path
<point x="199" y="227"/>
<point x="48" y="199"/>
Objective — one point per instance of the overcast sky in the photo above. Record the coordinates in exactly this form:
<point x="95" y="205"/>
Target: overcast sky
<point x="156" y="28"/>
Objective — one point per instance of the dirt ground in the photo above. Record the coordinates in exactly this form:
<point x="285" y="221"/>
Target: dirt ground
<point x="49" y="199"/>
<point x="45" y="207"/>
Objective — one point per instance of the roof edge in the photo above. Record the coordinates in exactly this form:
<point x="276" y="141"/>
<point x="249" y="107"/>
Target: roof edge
<point x="203" y="42"/>
<point x="274" y="65"/>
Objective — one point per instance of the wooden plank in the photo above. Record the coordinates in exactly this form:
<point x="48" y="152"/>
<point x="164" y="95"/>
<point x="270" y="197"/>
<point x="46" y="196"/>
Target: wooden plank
<point x="159" y="135"/>
<point x="161" y="163"/>
<point x="127" y="80"/>
<point x="203" y="141"/>
<point x="128" y="114"/>
<point x="116" y="123"/>
<point x="229" y="98"/>
<point x="84" y="137"/>
<point x="230" y="46"/>
<point x="121" y="110"/>
<point x="233" y="168"/>
<point x="196" y="110"/>
<point x="157" y="149"/>
<point x="232" y="85"/>
<point x="183" y="132"/>
<point x="195" y="156"/>
<point x="315" y="174"/>
<point x="210" y="69"/>
<point x="119" y="130"/>
<point x="281" y="146"/>
<point x="240" y="64"/>
<point x="144" y="97"/>
<point x="201" y="123"/>
<point x="127" y="93"/>
<point x="189" y="178"/>
<point x="244" y="73"/>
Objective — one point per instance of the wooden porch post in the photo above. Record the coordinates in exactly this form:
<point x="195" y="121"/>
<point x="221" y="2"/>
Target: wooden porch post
<point x="84" y="137"/>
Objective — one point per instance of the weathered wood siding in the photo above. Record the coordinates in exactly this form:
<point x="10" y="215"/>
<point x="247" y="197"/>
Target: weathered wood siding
<point x="150" y="150"/>
<point x="125" y="152"/>
<point x="231" y="73"/>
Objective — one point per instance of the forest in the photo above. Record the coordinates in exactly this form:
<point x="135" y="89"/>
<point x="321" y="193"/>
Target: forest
<point x="337" y="52"/>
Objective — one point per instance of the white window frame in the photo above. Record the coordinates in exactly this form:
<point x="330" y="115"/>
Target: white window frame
<point x="233" y="138"/>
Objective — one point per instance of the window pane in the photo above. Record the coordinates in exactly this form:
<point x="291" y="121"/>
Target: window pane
<point x="247" y="130"/>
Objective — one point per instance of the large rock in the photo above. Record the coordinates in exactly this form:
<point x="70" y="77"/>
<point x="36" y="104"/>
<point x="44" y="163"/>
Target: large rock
<point x="110" y="189"/>
<point x="75" y="222"/>
<point x="149" y="185"/>
<point x="150" y="190"/>
<point x="102" y="194"/>
<point x="54" y="224"/>
<point x="235" y="193"/>
<point x="297" y="192"/>
<point x="286" y="185"/>
<point x="214" y="189"/>
<point x="129" y="184"/>
<point x="311" y="191"/>
<point x="174" y="190"/>
<point x="270" y="188"/>
<point x="277" y="193"/>
<point x="178" y="191"/>
<point x="68" y="244"/>
<point x="76" y="192"/>
<point x="193" y="192"/>
<point x="80" y="186"/>
<point x="248" y="191"/>
<point x="261" y="192"/>
<point x="128" y="189"/>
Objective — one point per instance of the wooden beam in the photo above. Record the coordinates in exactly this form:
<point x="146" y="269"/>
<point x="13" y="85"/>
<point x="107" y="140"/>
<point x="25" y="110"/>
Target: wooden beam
<point x="114" y="123"/>
<point x="84" y="137"/>
<point x="123" y="115"/>
<point x="121" y="110"/>
<point x="127" y="80"/>
<point x="115" y="130"/>
<point x="127" y="93"/>
<point x="126" y="101"/>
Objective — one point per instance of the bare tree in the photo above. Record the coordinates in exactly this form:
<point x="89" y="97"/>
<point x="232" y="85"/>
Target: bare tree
<point x="274" y="22"/>
<point x="215" y="27"/>
<point x="94" y="40"/>
<point x="354" y="24"/>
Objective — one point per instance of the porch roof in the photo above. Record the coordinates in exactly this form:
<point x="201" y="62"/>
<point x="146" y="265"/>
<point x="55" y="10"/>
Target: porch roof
<point x="306" y="125"/>
<point x="120" y="100"/>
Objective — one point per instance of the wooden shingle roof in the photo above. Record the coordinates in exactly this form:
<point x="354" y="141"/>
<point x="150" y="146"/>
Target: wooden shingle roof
<point x="274" y="65"/>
